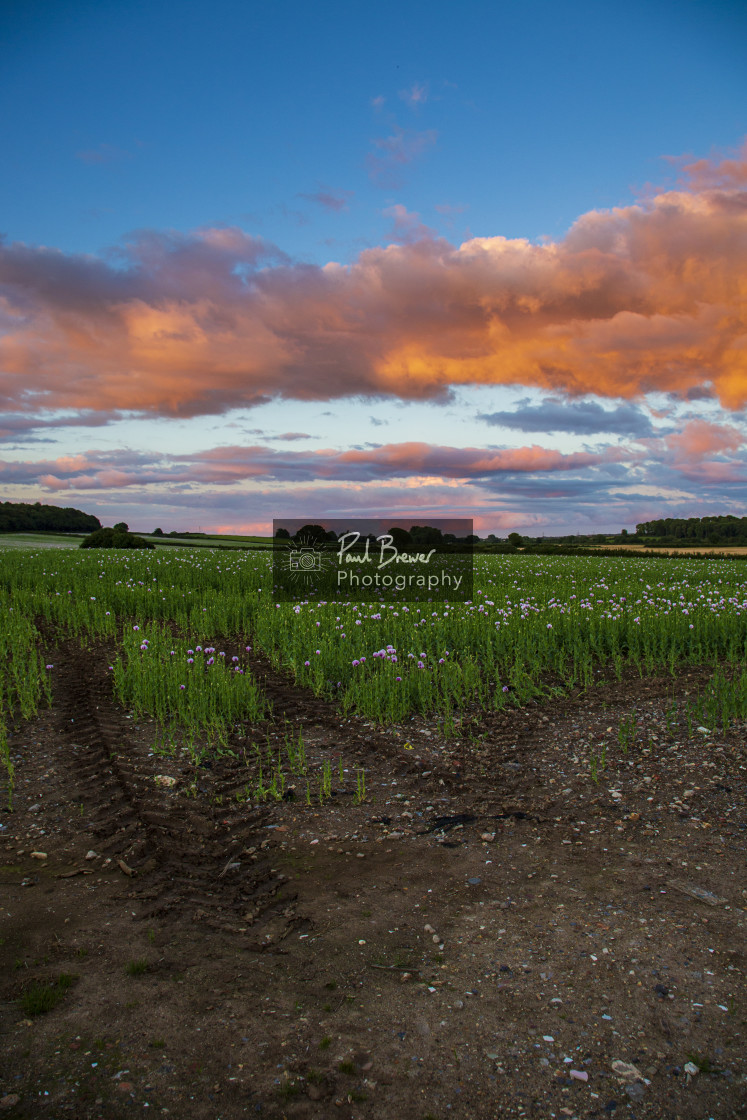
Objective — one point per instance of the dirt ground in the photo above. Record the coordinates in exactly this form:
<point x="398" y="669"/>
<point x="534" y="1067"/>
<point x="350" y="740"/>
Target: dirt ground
<point x="491" y="933"/>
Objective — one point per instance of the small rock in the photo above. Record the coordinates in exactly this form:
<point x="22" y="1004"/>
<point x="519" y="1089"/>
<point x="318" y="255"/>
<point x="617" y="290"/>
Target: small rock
<point x="38" y="855"/>
<point x="124" y="868"/>
<point x="9" y="1100"/>
<point x="125" y="1087"/>
<point x="475" y="881"/>
<point x="34" y="808"/>
<point x="635" y="1091"/>
<point x="91" y="854"/>
<point x="487" y="836"/>
<point x="428" y="928"/>
<point x="627" y="1071"/>
<point x="579" y="1074"/>
<point x="314" y="1092"/>
<point x="691" y="1069"/>
<point x="165" y="780"/>
<point x="458" y="1004"/>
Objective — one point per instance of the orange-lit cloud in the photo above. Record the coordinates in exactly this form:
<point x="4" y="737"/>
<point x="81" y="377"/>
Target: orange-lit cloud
<point x="651" y="296"/>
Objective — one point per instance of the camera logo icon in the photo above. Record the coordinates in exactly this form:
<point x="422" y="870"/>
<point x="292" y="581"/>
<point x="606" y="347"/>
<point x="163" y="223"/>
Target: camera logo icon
<point x="305" y="559"/>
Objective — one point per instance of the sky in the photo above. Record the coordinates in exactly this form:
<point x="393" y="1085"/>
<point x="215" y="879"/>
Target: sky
<point x="422" y="260"/>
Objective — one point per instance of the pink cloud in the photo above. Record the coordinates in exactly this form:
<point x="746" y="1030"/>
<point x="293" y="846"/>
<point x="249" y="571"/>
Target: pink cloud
<point x="394" y="152"/>
<point x="330" y="200"/>
<point x="700" y="437"/>
<point x="416" y="95"/>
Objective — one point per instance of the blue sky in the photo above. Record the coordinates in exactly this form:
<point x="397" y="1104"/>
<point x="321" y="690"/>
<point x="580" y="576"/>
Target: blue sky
<point x="226" y="223"/>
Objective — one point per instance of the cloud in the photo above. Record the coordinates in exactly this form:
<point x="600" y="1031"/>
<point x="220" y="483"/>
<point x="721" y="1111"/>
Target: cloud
<point x="416" y="95"/>
<point x="24" y="425"/>
<point x="395" y="152"/>
<point x="635" y="299"/>
<point x="406" y="225"/>
<point x="700" y="438"/>
<point x="693" y="472"/>
<point x="230" y="465"/>
<point x="585" y="417"/>
<point x="719" y="172"/>
<point x="330" y="200"/>
<point x="104" y="153"/>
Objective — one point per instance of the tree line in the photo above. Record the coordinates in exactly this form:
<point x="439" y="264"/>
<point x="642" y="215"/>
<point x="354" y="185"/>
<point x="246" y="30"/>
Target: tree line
<point x="722" y="529"/>
<point x="20" y="517"/>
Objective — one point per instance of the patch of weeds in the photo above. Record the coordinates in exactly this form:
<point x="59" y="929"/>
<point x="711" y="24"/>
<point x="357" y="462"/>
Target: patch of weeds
<point x="331" y="985"/>
<point x="366" y="913"/>
<point x="131" y="1004"/>
<point x="288" y="1091"/>
<point x="327" y="1007"/>
<point x="41" y="997"/>
<point x="314" y="1076"/>
<point x="347" y="1067"/>
<point x="82" y="952"/>
<point x="703" y="1063"/>
<point x="349" y="999"/>
<point x="157" y="1043"/>
<point x="136" y="968"/>
<point x="357" y="1096"/>
<point x="325" y="1043"/>
<point x="151" y="935"/>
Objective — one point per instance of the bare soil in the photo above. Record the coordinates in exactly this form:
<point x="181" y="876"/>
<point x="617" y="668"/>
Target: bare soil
<point x="483" y="936"/>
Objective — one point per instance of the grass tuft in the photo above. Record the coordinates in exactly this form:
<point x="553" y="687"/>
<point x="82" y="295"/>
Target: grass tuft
<point x="41" y="997"/>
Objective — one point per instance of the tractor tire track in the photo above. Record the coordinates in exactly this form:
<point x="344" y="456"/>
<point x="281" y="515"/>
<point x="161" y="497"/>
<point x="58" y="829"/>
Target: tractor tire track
<point x="189" y="858"/>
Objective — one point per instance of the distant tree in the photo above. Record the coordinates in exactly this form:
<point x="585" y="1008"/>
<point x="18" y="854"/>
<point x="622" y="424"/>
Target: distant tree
<point x="426" y="536"/>
<point x="121" y="527"/>
<point x="158" y="532"/>
<point x="515" y="539"/>
<point x="310" y="535"/>
<point x="282" y="535"/>
<point x="111" y="538"/>
<point x="401" y="539"/>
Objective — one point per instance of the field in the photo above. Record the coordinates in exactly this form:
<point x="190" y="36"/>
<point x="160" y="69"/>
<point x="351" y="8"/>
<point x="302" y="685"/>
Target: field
<point x="372" y="860"/>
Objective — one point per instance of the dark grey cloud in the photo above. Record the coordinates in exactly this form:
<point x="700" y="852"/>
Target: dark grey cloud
<point x="584" y="417"/>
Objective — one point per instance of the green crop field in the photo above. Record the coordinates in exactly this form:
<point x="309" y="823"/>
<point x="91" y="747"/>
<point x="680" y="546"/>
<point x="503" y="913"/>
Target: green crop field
<point x="186" y="627"/>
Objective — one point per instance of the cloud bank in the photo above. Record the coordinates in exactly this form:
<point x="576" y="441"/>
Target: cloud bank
<point x="644" y="297"/>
